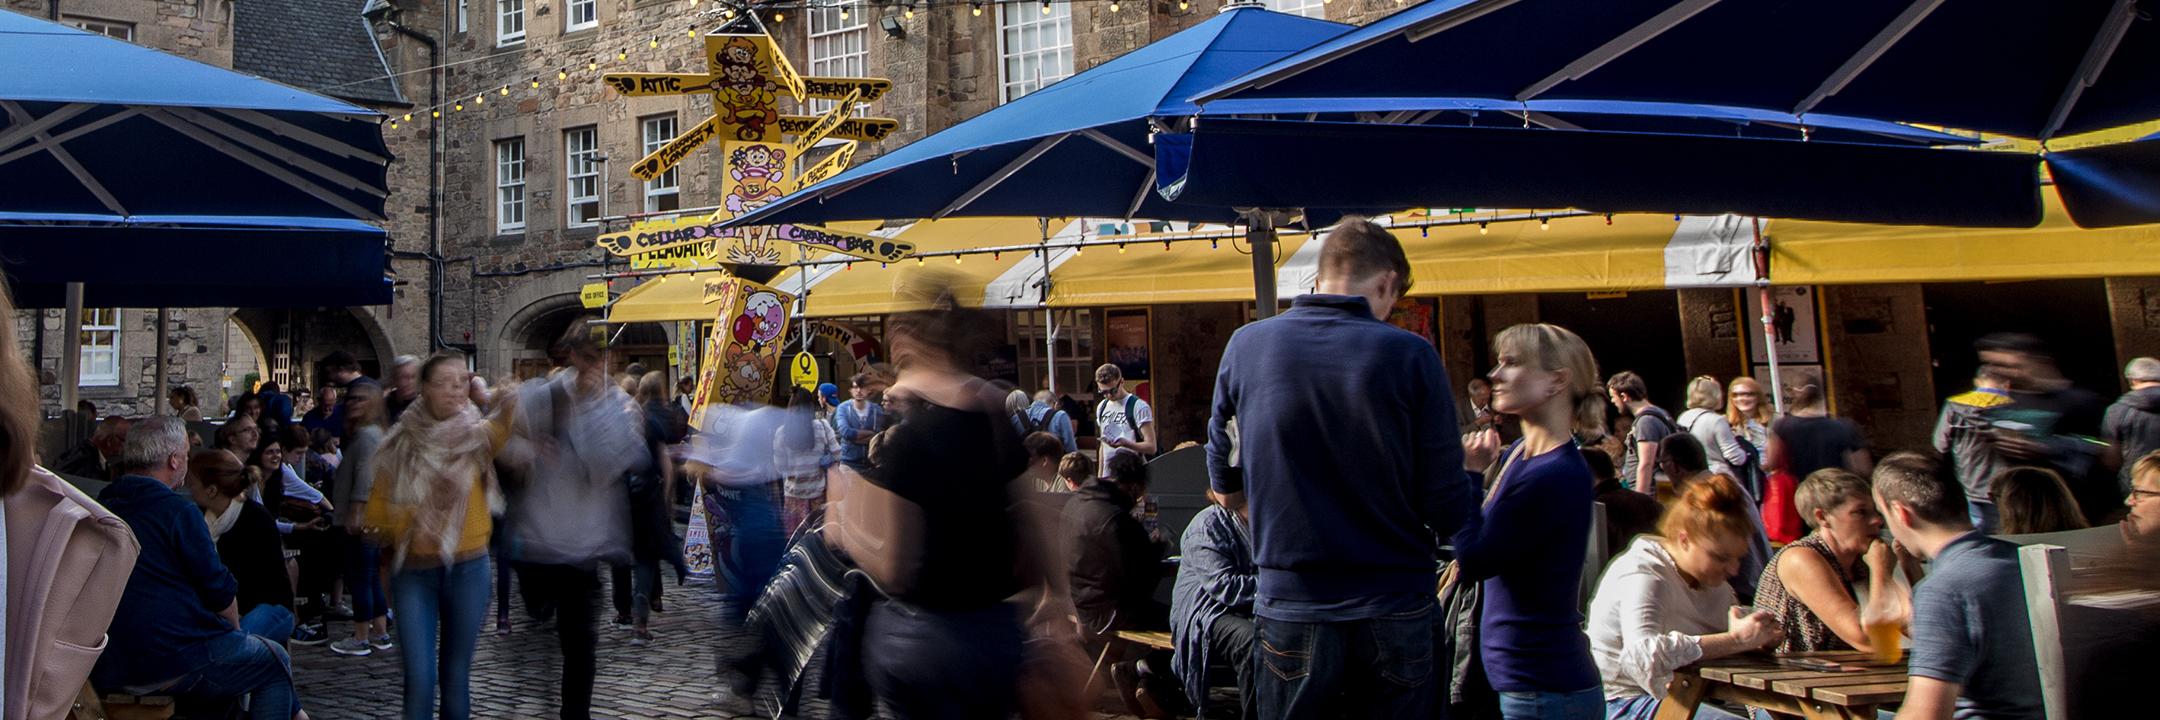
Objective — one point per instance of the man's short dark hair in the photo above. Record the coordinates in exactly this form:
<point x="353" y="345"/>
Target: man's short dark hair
<point x="339" y="360"/>
<point x="1601" y="464"/>
<point x="1919" y="482"/>
<point x="1359" y="248"/>
<point x="1043" y="445"/>
<point x="861" y="379"/>
<point x="2020" y="343"/>
<point x="1629" y="385"/>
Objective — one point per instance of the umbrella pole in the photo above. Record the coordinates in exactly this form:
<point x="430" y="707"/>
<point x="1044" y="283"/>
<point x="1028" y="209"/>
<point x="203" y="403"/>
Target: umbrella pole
<point x="1260" y="234"/>
<point x="164" y="352"/>
<point x="1049" y="317"/>
<point x="71" y="348"/>
<point x="1769" y="329"/>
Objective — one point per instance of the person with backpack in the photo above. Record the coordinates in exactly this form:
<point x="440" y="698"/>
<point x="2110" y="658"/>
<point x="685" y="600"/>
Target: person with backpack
<point x="1042" y="416"/>
<point x="1639" y="458"/>
<point x="1123" y="420"/>
<point x="1705" y="420"/>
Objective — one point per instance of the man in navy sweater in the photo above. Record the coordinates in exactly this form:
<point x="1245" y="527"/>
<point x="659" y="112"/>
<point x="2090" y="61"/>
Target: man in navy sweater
<point x="1350" y="464"/>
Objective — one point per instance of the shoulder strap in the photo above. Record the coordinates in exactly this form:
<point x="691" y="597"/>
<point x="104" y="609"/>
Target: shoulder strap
<point x="1132" y="415"/>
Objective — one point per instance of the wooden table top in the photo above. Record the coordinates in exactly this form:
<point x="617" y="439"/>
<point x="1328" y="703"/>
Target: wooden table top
<point x="1870" y="682"/>
<point x="1150" y="638"/>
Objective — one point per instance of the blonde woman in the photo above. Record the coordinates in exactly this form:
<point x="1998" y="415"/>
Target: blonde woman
<point x="1748" y="410"/>
<point x="1705" y="420"/>
<point x="1527" y="542"/>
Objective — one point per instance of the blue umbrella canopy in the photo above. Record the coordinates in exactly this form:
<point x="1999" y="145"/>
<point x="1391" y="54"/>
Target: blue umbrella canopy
<point x="1078" y="147"/>
<point x="2016" y="67"/>
<point x="106" y="145"/>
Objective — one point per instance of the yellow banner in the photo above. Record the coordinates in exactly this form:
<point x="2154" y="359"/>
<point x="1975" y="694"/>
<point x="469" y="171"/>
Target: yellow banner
<point x="842" y="155"/>
<point x="870" y="129"/>
<point x="697" y="254"/>
<point x="655" y="84"/>
<point x="825" y="124"/>
<point x="834" y="88"/>
<point x="753" y="246"/>
<point x="749" y="73"/>
<point x="652" y="166"/>
<point x="743" y="350"/>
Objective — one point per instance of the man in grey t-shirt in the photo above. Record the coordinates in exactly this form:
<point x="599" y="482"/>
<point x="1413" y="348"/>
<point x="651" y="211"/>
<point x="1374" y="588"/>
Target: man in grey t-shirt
<point x="1972" y="648"/>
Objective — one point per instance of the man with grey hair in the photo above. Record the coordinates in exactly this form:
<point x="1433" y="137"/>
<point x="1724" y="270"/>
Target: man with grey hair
<point x="178" y="629"/>
<point x="404" y="386"/>
<point x="98" y="457"/>
<point x="2132" y="424"/>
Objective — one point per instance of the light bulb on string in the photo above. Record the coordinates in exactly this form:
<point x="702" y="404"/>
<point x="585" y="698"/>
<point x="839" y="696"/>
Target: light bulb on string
<point x="1166" y="246"/>
<point x="1182" y="5"/>
<point x="955" y="259"/>
<point x="654" y="43"/>
<point x="1046" y="7"/>
<point x="777" y="17"/>
<point x="909" y="12"/>
<point x="693" y="32"/>
<point x="480" y="99"/>
<point x="843" y="12"/>
<point x="562" y="74"/>
<point x="623" y="54"/>
<point x="536" y="83"/>
<point x="1481" y="228"/>
<point x="438" y="113"/>
<point x="506" y="90"/>
<point x="976" y="8"/>
<point x="918" y="262"/>
<point x="592" y="65"/>
<point x="1608" y="218"/>
<point x="1121" y="248"/>
<point x="393" y="124"/>
<point x="1214" y="244"/>
<point x="460" y="107"/>
<point x="1113" y="5"/>
<point x="1544" y="223"/>
<point x="408" y="117"/>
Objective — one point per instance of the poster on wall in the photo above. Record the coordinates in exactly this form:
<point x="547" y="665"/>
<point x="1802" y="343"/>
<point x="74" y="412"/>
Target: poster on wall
<point x="1791" y="378"/>
<point x="1792" y="321"/>
<point x="1414" y="315"/>
<point x="1126" y="336"/>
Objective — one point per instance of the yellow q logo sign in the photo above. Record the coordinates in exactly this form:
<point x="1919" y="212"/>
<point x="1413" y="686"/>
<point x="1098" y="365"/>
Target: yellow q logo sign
<point x="805" y="371"/>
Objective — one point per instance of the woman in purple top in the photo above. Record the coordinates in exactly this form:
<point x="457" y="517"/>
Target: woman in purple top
<point x="1527" y="543"/>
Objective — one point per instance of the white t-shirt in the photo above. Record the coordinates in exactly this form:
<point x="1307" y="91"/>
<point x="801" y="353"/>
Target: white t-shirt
<point x="1111" y="423"/>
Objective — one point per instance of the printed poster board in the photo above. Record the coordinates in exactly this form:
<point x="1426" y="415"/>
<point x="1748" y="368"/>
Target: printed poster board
<point x="1798" y="337"/>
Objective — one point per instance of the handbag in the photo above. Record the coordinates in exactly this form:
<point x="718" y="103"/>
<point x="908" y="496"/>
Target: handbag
<point x="815" y="598"/>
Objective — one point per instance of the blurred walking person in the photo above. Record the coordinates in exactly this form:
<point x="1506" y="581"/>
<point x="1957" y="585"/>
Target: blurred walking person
<point x="352" y="485"/>
<point x="1345" y="607"/>
<point x="652" y="526"/>
<point x="573" y="514"/>
<point x="434" y="486"/>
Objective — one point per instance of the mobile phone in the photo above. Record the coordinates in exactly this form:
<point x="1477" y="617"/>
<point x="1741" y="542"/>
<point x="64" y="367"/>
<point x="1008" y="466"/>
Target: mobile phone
<point x="1817" y="664"/>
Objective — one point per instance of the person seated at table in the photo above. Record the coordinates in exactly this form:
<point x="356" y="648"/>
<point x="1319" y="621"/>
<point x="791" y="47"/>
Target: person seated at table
<point x="1044" y="452"/>
<point x="178" y="629"/>
<point x="1809" y="584"/>
<point x="2034" y="500"/>
<point x="1111" y="566"/>
<point x="246" y="536"/>
<point x="1972" y="648"/>
<point x="1683" y="459"/>
<point x="97" y="457"/>
<point x="1664" y="604"/>
<point x="1211" y="606"/>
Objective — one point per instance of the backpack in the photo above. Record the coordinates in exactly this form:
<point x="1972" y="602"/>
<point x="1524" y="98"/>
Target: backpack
<point x="1042" y="425"/>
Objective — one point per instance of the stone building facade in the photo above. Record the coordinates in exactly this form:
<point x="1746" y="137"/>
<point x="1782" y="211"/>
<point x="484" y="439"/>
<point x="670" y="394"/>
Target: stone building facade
<point x="218" y="351"/>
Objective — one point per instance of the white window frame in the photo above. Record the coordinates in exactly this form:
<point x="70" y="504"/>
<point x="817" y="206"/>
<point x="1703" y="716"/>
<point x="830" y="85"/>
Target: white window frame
<point x="656" y="131"/>
<point x="581" y="175"/>
<point x="464" y="15"/>
<point x="509" y="22"/>
<point x="101" y="26"/>
<point x="510" y="185"/>
<point x="99" y="324"/>
<point x="1316" y="9"/>
<point x="1040" y="37"/>
<point x="572" y="8"/>
<point x="1075" y="350"/>
<point x="838" y="48"/>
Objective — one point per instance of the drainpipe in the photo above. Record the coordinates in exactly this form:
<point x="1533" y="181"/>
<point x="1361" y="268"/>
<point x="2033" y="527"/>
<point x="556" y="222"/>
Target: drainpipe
<point x="436" y="265"/>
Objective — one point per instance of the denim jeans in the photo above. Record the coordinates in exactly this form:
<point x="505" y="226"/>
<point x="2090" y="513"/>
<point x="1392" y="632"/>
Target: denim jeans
<point x="272" y="622"/>
<point x="439" y="614"/>
<point x="1644" y="707"/>
<point x="362" y="579"/>
<point x="1984" y="517"/>
<point x="1586" y="704"/>
<point x="634" y="587"/>
<point x="236" y="664"/>
<point x="1382" y="667"/>
<point x="752" y="557"/>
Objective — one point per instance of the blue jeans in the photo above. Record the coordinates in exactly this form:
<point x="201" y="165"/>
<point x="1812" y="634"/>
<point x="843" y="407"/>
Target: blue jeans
<point x="240" y="663"/>
<point x="751" y="558"/>
<point x="1587" y="704"/>
<point x="440" y="605"/>
<point x="1382" y="667"/>
<point x="363" y="579"/>
<point x="1984" y="517"/>
<point x="272" y="622"/>
<point x="1644" y="707"/>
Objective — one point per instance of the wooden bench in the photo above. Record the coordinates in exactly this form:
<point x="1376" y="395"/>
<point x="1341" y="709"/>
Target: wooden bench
<point x="92" y="705"/>
<point x="1759" y="681"/>
<point x="1156" y="639"/>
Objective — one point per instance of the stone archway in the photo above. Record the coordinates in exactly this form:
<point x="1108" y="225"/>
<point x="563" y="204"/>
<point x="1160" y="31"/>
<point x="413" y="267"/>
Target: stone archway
<point x="506" y="339"/>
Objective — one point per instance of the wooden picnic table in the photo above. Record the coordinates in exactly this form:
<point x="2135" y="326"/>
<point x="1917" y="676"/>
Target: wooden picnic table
<point x="1760" y="681"/>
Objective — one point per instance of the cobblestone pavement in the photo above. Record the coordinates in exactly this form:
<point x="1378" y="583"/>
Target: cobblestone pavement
<point x="517" y="675"/>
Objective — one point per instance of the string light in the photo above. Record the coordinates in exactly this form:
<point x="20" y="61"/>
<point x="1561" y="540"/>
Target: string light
<point x="777" y="17"/>
<point x="408" y="117"/>
<point x="693" y="32"/>
<point x="955" y="259"/>
<point x="918" y="262"/>
<point x="623" y="54"/>
<point x="506" y="90"/>
<point x="1608" y="218"/>
<point x="909" y="12"/>
<point x="562" y="74"/>
<point x="1481" y="229"/>
<point x="458" y="107"/>
<point x="1077" y="248"/>
<point x="1214" y="244"/>
<point x="1121" y="248"/>
<point x="592" y="65"/>
<point x="843" y="12"/>
<point x="536" y="83"/>
<point x="393" y="124"/>
<point x="654" y="43"/>
<point x="480" y="99"/>
<point x="438" y="113"/>
<point x="1046" y="7"/>
<point x="1182" y="5"/>
<point x="1544" y="223"/>
<point x="1113" y="5"/>
<point x="976" y="8"/>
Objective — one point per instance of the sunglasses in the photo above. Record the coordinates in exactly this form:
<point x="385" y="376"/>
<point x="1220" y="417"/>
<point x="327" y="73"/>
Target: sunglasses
<point x="1747" y="394"/>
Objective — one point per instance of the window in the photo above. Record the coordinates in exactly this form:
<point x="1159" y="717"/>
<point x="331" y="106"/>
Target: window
<point x="464" y="15"/>
<point x="108" y="28"/>
<point x="1036" y="47"/>
<point x="100" y="346"/>
<point x="837" y="44"/>
<point x="581" y="166"/>
<point x="581" y="14"/>
<point x="664" y="193"/>
<point x="509" y="22"/>
<point x="1075" y="351"/>
<point x="510" y="185"/>
<point x="1307" y="8"/>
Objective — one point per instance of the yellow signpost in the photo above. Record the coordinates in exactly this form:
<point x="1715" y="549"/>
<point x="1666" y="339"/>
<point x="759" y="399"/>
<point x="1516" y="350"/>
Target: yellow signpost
<point x="593" y="295"/>
<point x="749" y="246"/>
<point x="804" y="371"/>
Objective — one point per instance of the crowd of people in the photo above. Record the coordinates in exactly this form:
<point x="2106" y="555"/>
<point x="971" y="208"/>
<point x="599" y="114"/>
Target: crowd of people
<point x="952" y="546"/>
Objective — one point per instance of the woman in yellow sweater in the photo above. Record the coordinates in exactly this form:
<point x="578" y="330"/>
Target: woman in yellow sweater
<point x="434" y="488"/>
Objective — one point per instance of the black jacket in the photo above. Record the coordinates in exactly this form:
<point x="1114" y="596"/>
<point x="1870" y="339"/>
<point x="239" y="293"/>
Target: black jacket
<point x="1112" y="565"/>
<point x="255" y="554"/>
